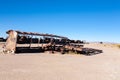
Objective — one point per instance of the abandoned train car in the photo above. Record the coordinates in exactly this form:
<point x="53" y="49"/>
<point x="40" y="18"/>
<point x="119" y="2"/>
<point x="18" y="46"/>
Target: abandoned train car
<point x="20" y="42"/>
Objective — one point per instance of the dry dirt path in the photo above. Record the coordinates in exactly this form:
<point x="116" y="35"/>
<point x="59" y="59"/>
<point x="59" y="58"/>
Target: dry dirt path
<point x="105" y="66"/>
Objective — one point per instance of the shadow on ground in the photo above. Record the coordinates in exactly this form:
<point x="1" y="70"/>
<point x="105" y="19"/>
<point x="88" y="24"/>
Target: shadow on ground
<point x="21" y="50"/>
<point x="85" y="51"/>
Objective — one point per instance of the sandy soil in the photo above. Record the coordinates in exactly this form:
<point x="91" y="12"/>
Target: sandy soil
<point x="44" y="66"/>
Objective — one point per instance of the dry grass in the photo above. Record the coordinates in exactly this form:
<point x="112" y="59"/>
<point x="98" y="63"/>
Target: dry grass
<point x="118" y="45"/>
<point x="115" y="45"/>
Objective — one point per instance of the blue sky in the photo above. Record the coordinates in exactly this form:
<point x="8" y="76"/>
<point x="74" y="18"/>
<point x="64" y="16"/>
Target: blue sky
<point x="90" y="20"/>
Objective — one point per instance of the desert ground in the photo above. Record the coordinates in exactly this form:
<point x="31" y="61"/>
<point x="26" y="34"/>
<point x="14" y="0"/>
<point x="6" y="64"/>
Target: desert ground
<point x="45" y="66"/>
